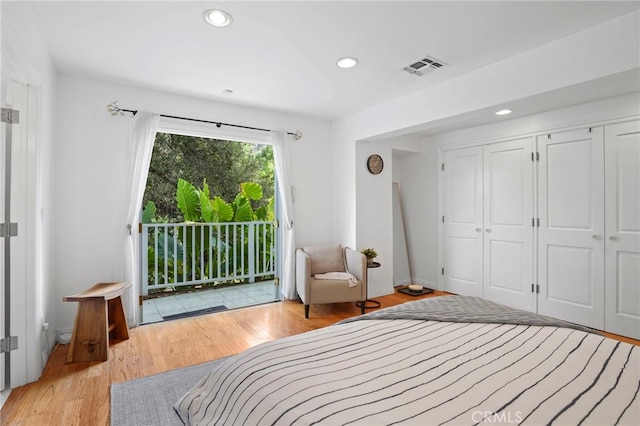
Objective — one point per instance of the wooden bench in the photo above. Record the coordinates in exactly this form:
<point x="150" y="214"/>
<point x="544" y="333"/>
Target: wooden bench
<point x="100" y="317"/>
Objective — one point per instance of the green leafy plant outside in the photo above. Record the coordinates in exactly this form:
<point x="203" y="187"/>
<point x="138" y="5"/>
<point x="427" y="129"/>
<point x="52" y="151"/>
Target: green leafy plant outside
<point x="224" y="248"/>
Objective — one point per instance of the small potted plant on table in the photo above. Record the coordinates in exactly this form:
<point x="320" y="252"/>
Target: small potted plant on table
<point x="370" y="254"/>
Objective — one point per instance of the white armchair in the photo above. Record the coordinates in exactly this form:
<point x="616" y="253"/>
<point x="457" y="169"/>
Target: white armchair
<point x="330" y="274"/>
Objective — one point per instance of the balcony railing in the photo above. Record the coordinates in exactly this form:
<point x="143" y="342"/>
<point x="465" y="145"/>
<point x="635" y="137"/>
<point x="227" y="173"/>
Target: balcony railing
<point x="180" y="254"/>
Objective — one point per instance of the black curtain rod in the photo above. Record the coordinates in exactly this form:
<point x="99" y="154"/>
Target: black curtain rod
<point x="115" y="109"/>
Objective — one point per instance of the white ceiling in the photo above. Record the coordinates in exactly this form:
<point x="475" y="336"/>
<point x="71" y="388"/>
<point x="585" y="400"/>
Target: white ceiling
<point x="281" y="55"/>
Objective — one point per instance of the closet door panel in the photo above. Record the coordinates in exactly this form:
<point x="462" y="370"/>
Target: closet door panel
<point x="571" y="233"/>
<point x="569" y="273"/>
<point x="569" y="185"/>
<point x="622" y="212"/>
<point x="508" y="230"/>
<point x="462" y="223"/>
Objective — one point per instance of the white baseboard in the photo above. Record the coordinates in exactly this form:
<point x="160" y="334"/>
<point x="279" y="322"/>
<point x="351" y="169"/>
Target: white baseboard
<point x="402" y="282"/>
<point x="4" y="395"/>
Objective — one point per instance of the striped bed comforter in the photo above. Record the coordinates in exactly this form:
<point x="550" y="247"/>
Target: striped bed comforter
<point x="423" y="372"/>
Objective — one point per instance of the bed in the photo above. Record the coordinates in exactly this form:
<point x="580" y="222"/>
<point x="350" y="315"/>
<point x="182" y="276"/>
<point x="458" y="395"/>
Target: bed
<point x="442" y="360"/>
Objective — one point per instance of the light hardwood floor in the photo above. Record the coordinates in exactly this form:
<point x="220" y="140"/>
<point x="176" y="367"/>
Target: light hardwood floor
<point x="78" y="394"/>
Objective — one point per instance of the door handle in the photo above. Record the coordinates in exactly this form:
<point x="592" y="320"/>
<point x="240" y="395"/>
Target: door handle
<point x="613" y="238"/>
<point x="478" y="229"/>
<point x="596" y="237"/>
<point x="487" y="230"/>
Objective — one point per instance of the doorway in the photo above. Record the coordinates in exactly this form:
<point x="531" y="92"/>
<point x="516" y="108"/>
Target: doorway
<point x="209" y="230"/>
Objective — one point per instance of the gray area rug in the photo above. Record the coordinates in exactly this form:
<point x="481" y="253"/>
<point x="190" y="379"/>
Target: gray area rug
<point x="148" y="401"/>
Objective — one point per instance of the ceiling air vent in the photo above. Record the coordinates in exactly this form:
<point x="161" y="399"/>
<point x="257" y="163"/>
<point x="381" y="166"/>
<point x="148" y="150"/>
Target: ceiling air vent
<point x="424" y="65"/>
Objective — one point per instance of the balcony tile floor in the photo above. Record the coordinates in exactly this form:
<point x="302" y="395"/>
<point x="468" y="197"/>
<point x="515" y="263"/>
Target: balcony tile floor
<point x="239" y="296"/>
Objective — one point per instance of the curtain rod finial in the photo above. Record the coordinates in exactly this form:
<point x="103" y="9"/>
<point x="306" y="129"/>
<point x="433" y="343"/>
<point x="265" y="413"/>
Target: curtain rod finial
<point x="297" y="135"/>
<point x="114" y="109"/>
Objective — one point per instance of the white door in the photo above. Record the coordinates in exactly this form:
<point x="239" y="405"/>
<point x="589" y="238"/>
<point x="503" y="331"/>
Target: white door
<point x="622" y="213"/>
<point x="508" y="228"/>
<point x="3" y="163"/>
<point x="462" y="221"/>
<point x="571" y="234"/>
<point x="24" y="362"/>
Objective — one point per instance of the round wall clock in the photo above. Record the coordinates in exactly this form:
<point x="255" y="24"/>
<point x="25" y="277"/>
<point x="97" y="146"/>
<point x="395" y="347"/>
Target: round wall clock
<point x="375" y="164"/>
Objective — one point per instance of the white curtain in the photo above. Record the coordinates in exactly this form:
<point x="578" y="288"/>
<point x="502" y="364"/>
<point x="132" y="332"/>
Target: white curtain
<point x="140" y="149"/>
<point x="281" y="160"/>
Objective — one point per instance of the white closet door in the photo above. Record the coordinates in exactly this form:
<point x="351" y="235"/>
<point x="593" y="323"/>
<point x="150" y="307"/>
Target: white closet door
<point x="508" y="229"/>
<point x="571" y="234"/>
<point x="462" y="222"/>
<point x="622" y="212"/>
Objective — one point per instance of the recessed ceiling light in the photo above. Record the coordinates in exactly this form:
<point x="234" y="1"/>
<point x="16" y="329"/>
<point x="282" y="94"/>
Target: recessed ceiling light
<point x="347" y="62"/>
<point x="217" y="17"/>
<point x="504" y="112"/>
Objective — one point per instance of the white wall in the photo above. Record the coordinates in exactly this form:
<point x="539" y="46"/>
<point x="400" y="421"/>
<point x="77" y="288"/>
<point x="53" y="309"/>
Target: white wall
<point x="592" y="113"/>
<point x="417" y="175"/>
<point x="343" y="146"/>
<point x="374" y="215"/>
<point x="90" y="157"/>
<point x="374" y="204"/>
